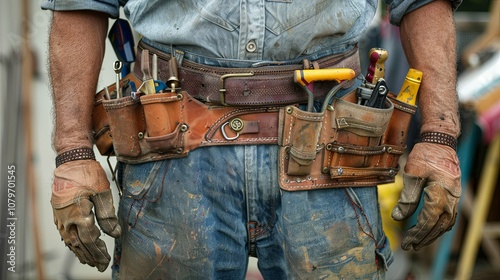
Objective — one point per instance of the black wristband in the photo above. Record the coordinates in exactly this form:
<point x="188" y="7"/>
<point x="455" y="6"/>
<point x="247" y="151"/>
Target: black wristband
<point x="75" y="154"/>
<point x="439" y="138"/>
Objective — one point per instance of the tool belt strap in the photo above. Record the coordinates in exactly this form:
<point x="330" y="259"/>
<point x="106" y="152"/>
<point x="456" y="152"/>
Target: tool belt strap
<point x="345" y="145"/>
<point x="268" y="86"/>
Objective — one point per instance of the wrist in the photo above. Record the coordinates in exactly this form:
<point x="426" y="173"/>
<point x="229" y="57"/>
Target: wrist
<point x="71" y="141"/>
<point x="451" y="128"/>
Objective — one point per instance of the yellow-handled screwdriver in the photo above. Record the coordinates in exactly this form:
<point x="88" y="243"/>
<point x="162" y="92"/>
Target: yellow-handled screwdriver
<point x="409" y="90"/>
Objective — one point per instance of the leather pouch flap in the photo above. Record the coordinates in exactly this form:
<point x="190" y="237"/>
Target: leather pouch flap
<point x="361" y="120"/>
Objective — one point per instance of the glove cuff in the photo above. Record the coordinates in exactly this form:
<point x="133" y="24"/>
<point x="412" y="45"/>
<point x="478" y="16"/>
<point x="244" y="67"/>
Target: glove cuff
<point x="75" y="154"/>
<point x="439" y="138"/>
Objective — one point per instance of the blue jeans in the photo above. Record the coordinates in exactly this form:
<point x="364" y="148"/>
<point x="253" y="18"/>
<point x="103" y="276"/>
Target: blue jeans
<point x="200" y="217"/>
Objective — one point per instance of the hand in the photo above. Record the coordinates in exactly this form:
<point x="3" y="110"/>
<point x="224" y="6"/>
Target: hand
<point x="433" y="169"/>
<point x="78" y="187"/>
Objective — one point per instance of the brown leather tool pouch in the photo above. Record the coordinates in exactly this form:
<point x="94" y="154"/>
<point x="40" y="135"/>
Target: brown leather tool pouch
<point x="127" y="126"/>
<point x="352" y="148"/>
<point x="123" y="112"/>
<point x="163" y="112"/>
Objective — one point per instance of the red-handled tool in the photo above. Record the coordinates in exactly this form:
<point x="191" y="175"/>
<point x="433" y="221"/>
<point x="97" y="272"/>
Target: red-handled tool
<point x="376" y="69"/>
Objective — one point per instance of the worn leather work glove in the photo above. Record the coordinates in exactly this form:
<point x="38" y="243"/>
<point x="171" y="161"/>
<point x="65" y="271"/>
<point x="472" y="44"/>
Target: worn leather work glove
<point x="78" y="187"/>
<point x="433" y="169"/>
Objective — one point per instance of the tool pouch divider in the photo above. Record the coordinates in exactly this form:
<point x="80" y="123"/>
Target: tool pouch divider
<point x="127" y="126"/>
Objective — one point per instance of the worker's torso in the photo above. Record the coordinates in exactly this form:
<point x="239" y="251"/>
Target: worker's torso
<point x="253" y="29"/>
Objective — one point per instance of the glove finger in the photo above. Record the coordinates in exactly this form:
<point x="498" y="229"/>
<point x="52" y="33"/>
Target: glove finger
<point x="85" y="256"/>
<point x="69" y="235"/>
<point x="410" y="197"/>
<point x="437" y="216"/>
<point x="89" y="234"/>
<point x="77" y="227"/>
<point x="76" y="247"/>
<point x="105" y="213"/>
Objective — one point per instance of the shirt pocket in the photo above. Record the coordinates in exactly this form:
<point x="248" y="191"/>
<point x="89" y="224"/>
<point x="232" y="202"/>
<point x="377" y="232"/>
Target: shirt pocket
<point x="222" y="13"/>
<point x="324" y="16"/>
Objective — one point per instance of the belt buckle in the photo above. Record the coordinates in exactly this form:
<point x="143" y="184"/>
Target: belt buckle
<point x="222" y="90"/>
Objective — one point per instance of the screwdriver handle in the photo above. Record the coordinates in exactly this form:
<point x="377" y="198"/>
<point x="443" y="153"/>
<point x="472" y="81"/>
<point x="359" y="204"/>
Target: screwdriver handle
<point x="305" y="77"/>
<point x="173" y="80"/>
<point x="376" y="68"/>
<point x="411" y="84"/>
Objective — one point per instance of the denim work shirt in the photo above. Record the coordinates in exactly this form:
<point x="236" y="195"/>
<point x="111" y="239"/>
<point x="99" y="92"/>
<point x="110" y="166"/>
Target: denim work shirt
<point x="255" y="30"/>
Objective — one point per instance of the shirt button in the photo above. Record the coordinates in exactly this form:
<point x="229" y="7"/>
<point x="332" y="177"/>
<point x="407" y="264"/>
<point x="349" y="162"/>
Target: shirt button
<point x="251" y="46"/>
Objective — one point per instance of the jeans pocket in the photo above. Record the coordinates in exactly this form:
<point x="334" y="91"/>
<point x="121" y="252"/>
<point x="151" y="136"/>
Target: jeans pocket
<point x="141" y="187"/>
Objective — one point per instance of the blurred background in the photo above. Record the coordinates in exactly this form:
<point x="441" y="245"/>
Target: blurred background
<point x="470" y="251"/>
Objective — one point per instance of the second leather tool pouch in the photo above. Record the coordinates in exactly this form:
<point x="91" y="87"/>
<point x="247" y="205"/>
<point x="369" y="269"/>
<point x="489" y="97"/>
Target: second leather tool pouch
<point x="341" y="147"/>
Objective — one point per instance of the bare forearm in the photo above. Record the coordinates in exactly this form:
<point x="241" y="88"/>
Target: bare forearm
<point x="428" y="38"/>
<point x="76" y="50"/>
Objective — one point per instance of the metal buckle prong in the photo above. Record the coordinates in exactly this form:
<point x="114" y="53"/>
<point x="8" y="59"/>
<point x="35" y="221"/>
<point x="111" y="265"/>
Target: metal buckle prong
<point x="222" y="90"/>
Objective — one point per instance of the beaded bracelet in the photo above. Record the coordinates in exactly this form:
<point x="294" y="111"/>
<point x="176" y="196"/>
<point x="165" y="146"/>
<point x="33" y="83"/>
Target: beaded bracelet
<point x="75" y="154"/>
<point x="439" y="138"/>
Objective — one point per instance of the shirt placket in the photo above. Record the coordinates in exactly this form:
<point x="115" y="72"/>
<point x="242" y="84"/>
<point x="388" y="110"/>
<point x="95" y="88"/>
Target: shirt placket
<point x="252" y="29"/>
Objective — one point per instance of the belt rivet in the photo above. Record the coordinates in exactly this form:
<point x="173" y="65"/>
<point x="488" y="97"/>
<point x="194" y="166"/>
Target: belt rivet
<point x="236" y="124"/>
<point x="184" y="127"/>
<point x="325" y="170"/>
<point x="341" y="150"/>
<point x="180" y="150"/>
<point x="289" y="110"/>
<point x="392" y="173"/>
<point x="340" y="171"/>
<point x="140" y="135"/>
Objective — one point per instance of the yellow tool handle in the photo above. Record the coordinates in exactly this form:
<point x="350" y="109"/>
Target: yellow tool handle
<point x="409" y="90"/>
<point x="305" y="77"/>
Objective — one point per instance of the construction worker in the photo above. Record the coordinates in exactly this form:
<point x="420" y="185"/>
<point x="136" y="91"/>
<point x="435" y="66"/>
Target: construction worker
<point x="196" y="209"/>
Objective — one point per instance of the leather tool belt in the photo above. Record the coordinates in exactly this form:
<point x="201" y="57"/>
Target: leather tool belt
<point x="346" y="145"/>
<point x="272" y="85"/>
